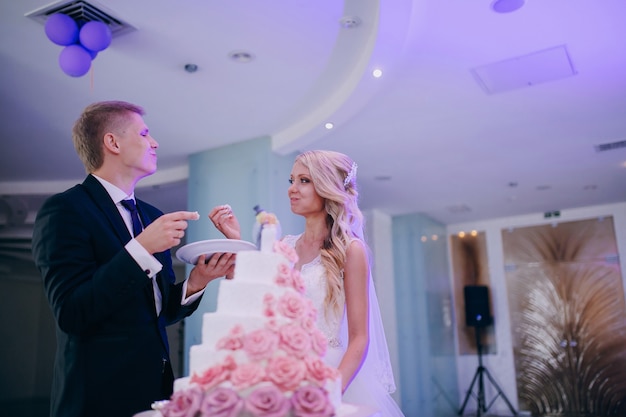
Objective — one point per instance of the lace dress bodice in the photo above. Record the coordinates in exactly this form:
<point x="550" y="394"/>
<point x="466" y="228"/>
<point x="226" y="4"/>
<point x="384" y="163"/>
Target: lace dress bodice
<point x="314" y="277"/>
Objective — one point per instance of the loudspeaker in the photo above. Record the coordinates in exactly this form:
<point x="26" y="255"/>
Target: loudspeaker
<point x="477" y="312"/>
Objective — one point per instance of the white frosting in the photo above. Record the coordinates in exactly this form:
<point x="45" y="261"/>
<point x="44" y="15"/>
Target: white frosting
<point x="269" y="234"/>
<point x="257" y="267"/>
<point x="203" y="356"/>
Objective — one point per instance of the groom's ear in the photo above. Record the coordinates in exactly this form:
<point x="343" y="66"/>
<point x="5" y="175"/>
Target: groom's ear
<point x="110" y="143"/>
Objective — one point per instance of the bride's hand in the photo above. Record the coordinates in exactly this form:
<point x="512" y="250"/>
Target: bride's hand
<point x="225" y="221"/>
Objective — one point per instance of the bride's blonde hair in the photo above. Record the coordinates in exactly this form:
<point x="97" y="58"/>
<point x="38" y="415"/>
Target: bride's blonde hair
<point x="334" y="177"/>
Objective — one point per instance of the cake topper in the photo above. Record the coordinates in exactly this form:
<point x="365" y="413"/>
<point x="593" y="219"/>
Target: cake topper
<point x="266" y="229"/>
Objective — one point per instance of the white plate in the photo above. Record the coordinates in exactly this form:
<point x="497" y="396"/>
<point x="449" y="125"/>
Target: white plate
<point x="148" y="413"/>
<point x="191" y="252"/>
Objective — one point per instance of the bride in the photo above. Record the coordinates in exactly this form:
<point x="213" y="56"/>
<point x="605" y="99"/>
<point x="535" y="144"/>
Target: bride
<point x="334" y="263"/>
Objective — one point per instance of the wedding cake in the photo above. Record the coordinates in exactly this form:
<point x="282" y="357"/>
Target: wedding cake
<point x="261" y="352"/>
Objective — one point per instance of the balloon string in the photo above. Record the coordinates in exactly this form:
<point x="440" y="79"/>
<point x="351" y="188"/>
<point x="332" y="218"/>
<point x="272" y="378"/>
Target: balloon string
<point x="91" y="79"/>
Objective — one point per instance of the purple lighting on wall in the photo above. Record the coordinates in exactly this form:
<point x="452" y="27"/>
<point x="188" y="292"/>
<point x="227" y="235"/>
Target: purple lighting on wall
<point x="506" y="6"/>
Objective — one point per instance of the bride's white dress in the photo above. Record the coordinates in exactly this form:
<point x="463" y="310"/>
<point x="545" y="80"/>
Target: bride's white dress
<point x="374" y="381"/>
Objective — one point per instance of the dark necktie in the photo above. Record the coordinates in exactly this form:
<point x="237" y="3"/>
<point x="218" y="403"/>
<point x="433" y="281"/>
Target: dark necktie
<point x="137" y="228"/>
<point x="134" y="215"/>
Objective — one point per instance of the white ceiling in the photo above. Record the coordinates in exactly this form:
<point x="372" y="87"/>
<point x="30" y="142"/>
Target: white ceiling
<point x="427" y="135"/>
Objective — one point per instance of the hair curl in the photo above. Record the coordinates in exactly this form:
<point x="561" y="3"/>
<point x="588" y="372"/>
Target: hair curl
<point x="329" y="170"/>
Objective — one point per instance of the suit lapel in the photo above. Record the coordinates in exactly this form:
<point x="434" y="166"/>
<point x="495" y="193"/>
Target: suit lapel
<point x="104" y="202"/>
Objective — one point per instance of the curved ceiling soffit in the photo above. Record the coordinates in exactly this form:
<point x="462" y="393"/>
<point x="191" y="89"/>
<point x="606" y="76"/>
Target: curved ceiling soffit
<point x="344" y="88"/>
<point x="347" y="84"/>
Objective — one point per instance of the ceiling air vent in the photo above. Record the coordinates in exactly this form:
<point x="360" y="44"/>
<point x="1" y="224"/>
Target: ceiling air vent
<point x="82" y="11"/>
<point x="610" y="146"/>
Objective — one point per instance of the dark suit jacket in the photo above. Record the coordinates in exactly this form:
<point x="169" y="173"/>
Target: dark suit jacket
<point x="110" y="343"/>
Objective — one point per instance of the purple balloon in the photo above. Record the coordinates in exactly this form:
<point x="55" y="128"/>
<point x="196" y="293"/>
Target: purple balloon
<point x="75" y="60"/>
<point x="61" y="29"/>
<point x="95" y="36"/>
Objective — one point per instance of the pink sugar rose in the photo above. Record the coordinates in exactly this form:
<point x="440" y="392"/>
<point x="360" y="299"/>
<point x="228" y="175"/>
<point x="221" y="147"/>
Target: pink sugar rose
<point x="318" y="371"/>
<point x="308" y="324"/>
<point x="267" y="401"/>
<point x="247" y="375"/>
<point x="272" y="325"/>
<point x="312" y="310"/>
<point x="215" y="374"/>
<point x="284" y="276"/>
<point x="269" y="298"/>
<point x="184" y="403"/>
<point x="297" y="281"/>
<point x="292" y="305"/>
<point x="269" y="303"/>
<point x="229" y="343"/>
<point x="295" y="340"/>
<point x="286" y="250"/>
<point x="319" y="342"/>
<point x="286" y="372"/>
<point x="260" y="344"/>
<point x="311" y="401"/>
<point x="233" y="340"/>
<point x="221" y="402"/>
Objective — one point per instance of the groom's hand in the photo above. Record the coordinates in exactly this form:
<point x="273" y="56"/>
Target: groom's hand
<point x="166" y="231"/>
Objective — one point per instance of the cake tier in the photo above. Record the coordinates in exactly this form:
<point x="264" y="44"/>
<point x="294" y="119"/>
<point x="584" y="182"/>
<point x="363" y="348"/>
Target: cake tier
<point x="215" y="326"/>
<point x="202" y="357"/>
<point x="239" y="297"/>
<point x="332" y="386"/>
<point x="259" y="267"/>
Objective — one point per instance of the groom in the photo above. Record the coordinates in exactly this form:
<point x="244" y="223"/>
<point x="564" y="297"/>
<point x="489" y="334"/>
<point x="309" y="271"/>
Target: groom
<point x="107" y="272"/>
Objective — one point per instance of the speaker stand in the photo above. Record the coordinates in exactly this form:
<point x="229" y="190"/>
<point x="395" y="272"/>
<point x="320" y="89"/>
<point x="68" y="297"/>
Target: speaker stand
<point x="481" y="371"/>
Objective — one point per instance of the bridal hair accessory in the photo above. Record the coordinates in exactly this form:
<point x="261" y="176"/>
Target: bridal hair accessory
<point x="351" y="175"/>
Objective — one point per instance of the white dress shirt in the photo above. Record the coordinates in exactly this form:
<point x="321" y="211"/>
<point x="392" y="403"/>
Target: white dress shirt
<point x="144" y="259"/>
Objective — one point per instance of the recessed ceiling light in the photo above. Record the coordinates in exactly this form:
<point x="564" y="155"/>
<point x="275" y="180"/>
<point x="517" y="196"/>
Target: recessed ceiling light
<point x="191" y="68"/>
<point x="377" y="73"/>
<point x="506" y="6"/>
<point x="329" y="125"/>
<point x="241" y="56"/>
